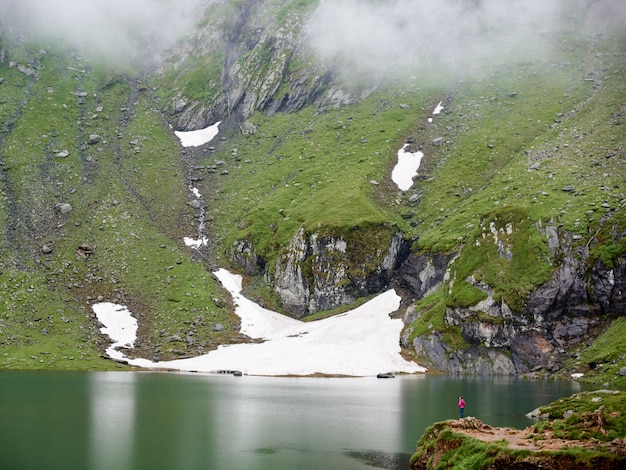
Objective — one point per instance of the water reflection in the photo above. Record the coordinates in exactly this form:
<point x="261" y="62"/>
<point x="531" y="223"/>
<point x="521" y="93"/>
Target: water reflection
<point x="278" y="421"/>
<point x="112" y="423"/>
<point x="164" y="421"/>
<point x="383" y="460"/>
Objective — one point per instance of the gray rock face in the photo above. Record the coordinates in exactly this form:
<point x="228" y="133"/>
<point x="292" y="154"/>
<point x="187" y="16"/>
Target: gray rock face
<point x="245" y="255"/>
<point x="474" y="360"/>
<point x="579" y="295"/>
<point x="258" y="54"/>
<point x="423" y="273"/>
<point x="321" y="272"/>
<point x="290" y="283"/>
<point x="558" y="315"/>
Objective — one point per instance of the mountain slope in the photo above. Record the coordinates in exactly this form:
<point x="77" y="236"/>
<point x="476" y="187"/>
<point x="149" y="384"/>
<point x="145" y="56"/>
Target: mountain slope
<point x="508" y="248"/>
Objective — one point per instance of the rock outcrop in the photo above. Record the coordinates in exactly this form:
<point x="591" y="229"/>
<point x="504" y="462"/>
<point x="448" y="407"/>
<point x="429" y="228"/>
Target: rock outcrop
<point x="594" y="439"/>
<point x="262" y="70"/>
<point x="579" y="298"/>
<point x="323" y="270"/>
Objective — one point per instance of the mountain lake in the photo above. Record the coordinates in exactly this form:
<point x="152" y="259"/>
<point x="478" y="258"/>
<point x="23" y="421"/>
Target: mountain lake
<point x="152" y="420"/>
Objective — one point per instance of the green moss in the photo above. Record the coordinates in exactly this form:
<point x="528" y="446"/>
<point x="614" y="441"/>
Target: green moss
<point x="465" y="295"/>
<point x="571" y="416"/>
<point x="430" y="312"/>
<point x="508" y="254"/>
<point x="606" y="248"/>
<point x="195" y="79"/>
<point x="430" y="318"/>
<point x="603" y="360"/>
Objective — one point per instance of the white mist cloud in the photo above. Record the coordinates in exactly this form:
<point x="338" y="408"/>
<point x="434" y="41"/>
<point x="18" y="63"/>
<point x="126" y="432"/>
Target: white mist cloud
<point x="116" y="28"/>
<point x="377" y="35"/>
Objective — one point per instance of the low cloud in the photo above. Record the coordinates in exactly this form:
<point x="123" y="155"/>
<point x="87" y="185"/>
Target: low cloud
<point x="378" y="36"/>
<point x="117" y="29"/>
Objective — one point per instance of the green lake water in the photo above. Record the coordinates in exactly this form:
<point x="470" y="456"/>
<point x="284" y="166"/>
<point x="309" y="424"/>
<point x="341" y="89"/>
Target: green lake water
<point x="133" y="420"/>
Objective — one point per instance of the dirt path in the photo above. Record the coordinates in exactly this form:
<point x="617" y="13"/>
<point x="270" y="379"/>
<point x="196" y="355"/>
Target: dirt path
<point x="527" y="438"/>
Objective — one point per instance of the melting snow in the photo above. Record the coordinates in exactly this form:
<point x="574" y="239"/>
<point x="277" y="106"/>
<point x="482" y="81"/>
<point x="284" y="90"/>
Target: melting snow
<point x="361" y="342"/>
<point x="436" y="111"/>
<point x="195" y="243"/>
<point x="119" y="325"/>
<point x="406" y="168"/>
<point x="199" y="137"/>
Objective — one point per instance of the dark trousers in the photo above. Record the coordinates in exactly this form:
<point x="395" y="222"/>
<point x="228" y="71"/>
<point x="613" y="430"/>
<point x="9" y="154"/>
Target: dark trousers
<point x="461" y="411"/>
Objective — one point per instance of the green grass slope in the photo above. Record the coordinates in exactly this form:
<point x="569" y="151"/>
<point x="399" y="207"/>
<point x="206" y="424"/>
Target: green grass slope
<point x="525" y="142"/>
<point x="128" y="195"/>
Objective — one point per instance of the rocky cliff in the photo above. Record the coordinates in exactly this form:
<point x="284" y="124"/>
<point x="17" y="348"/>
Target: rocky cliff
<point x="561" y="292"/>
<point x="580" y="297"/>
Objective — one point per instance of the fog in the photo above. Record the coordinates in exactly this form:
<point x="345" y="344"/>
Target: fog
<point x="369" y="35"/>
<point x="378" y="36"/>
<point x="117" y="29"/>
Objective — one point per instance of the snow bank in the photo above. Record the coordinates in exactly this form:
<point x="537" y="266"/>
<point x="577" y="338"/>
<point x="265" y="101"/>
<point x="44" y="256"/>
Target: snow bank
<point x="195" y="242"/>
<point x="361" y="342"/>
<point x="406" y="168"/>
<point x="199" y="137"/>
<point x="119" y="325"/>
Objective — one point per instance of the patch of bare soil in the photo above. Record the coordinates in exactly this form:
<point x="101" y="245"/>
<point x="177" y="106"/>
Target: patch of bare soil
<point x="531" y="438"/>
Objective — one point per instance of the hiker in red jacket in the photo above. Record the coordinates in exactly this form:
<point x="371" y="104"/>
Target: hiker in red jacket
<point x="461" y="406"/>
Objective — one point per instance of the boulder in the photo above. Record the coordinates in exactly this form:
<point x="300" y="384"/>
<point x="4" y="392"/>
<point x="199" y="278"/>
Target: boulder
<point x="63" y="207"/>
<point x="93" y="139"/>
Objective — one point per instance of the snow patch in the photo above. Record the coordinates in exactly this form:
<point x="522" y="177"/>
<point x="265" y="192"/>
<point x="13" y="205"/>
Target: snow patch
<point x="436" y="111"/>
<point x="199" y="137"/>
<point x="361" y="342"/>
<point x="195" y="243"/>
<point x="119" y="325"/>
<point x="406" y="168"/>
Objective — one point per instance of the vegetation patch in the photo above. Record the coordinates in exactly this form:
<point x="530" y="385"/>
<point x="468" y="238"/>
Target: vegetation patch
<point x="508" y="254"/>
<point x="310" y="169"/>
<point x="94" y="207"/>
<point x="430" y="318"/>
<point x="86" y="160"/>
<point x="604" y="361"/>
<point x="582" y="431"/>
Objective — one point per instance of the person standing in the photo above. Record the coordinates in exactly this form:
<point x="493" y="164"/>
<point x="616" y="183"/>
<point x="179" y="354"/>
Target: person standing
<point x="461" y="406"/>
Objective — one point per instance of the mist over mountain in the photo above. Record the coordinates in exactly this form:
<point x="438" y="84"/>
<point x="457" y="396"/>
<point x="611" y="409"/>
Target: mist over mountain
<point x="378" y="36"/>
<point x="117" y="29"/>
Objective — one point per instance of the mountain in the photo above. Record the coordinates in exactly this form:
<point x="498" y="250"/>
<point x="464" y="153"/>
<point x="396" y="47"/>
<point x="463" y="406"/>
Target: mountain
<point x="508" y="247"/>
